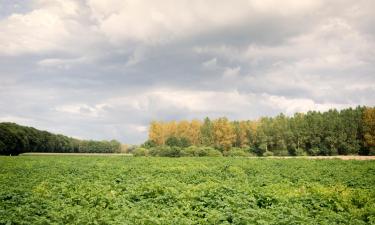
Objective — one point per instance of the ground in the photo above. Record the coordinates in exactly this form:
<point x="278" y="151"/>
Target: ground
<point x="129" y="190"/>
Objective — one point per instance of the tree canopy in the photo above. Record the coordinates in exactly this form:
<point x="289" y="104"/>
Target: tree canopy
<point x="16" y="139"/>
<point x="335" y="132"/>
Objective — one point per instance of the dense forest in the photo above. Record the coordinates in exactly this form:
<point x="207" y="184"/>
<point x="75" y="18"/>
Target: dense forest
<point x="16" y="139"/>
<point x="349" y="131"/>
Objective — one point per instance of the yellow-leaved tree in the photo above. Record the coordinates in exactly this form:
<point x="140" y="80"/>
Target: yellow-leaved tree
<point x="170" y="129"/>
<point x="223" y="133"/>
<point x="195" y="132"/>
<point x="183" y="129"/>
<point x="156" y="132"/>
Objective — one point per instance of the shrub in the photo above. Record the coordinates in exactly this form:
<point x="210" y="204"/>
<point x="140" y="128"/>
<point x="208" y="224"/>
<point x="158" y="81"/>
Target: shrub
<point x="300" y="152"/>
<point x="371" y="151"/>
<point x="281" y="152"/>
<point x="268" y="153"/>
<point x="132" y="148"/>
<point x="314" y="151"/>
<point x="140" y="152"/>
<point x="173" y="141"/>
<point x="194" y="151"/>
<point x="165" y="151"/>
<point x="149" y="144"/>
<point x="259" y="150"/>
<point x="212" y="152"/>
<point x="297" y="151"/>
<point x="189" y="151"/>
<point x="184" y="142"/>
<point x="155" y="151"/>
<point x="237" y="152"/>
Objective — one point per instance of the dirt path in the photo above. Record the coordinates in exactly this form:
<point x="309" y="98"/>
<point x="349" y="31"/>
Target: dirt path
<point x="73" y="154"/>
<point x="343" y="157"/>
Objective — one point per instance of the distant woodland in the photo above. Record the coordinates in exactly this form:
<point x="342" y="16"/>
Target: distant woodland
<point x="16" y="139"/>
<point x="335" y="132"/>
<point x="348" y="131"/>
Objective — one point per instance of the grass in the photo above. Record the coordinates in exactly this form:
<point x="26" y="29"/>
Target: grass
<point x="128" y="190"/>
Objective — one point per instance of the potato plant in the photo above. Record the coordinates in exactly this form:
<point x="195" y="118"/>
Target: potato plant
<point x="152" y="190"/>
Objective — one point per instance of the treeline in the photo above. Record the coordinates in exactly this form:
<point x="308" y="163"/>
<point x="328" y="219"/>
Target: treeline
<point x="16" y="139"/>
<point x="349" y="131"/>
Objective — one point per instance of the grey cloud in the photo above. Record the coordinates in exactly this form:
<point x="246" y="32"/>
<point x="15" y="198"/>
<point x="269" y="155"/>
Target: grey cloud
<point x="105" y="79"/>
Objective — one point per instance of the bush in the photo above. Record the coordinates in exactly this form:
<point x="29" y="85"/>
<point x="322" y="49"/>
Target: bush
<point x="212" y="152"/>
<point x="190" y="151"/>
<point x="173" y="141"/>
<point x="259" y="150"/>
<point x="149" y="144"/>
<point x="132" y="148"/>
<point x="314" y="151"/>
<point x="300" y="152"/>
<point x="371" y="151"/>
<point x="194" y="151"/>
<point x="140" y="152"/>
<point x="297" y="152"/>
<point x="268" y="153"/>
<point x="281" y="152"/>
<point x="165" y="151"/>
<point x="237" y="152"/>
<point x="154" y="151"/>
<point x="170" y="152"/>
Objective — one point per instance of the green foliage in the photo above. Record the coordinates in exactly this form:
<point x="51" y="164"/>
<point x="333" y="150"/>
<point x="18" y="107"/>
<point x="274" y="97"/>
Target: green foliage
<point x="140" y="152"/>
<point x="344" y="132"/>
<point x="237" y="152"/>
<point x="178" y="142"/>
<point x="149" y="144"/>
<point x="268" y="153"/>
<point x="207" y="135"/>
<point x="314" y="151"/>
<point x="139" y="190"/>
<point x="173" y="141"/>
<point x="16" y="139"/>
<point x="194" y="151"/>
<point x="165" y="151"/>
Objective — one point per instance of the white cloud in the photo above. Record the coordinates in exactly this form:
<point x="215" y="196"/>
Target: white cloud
<point x="37" y="31"/>
<point x="232" y="73"/>
<point x="104" y="69"/>
<point x="82" y="110"/>
<point x="292" y="105"/>
<point x="210" y="64"/>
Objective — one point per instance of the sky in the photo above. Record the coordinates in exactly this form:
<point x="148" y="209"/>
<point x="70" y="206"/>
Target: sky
<point x="96" y="69"/>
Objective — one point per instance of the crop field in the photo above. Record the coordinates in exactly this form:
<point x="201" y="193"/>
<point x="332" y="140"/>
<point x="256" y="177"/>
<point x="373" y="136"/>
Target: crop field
<point x="131" y="190"/>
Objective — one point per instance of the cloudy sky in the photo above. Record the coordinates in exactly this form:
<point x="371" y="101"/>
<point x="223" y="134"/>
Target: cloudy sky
<point x="103" y="69"/>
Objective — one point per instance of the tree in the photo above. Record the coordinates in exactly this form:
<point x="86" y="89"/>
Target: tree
<point x="369" y="129"/>
<point x="223" y="133"/>
<point x="195" y="132"/>
<point x="16" y="139"/>
<point x="156" y="133"/>
<point x="207" y="136"/>
<point x="183" y="129"/>
<point x="240" y="129"/>
<point x="170" y="129"/>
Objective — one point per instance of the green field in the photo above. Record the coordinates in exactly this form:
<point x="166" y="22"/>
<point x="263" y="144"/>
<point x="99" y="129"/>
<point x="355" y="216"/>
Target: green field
<point x="127" y="190"/>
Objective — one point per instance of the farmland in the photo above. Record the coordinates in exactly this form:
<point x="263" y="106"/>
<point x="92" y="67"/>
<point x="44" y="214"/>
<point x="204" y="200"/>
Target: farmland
<point x="128" y="190"/>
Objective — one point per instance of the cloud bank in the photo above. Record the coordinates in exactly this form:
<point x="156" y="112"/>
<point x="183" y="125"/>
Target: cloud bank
<point x="104" y="69"/>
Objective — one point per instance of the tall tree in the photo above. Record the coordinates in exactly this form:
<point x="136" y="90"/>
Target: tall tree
<point x="369" y="128"/>
<point x="156" y="132"/>
<point x="223" y="133"/>
<point x="183" y="129"/>
<point x="195" y="132"/>
<point x="207" y="136"/>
